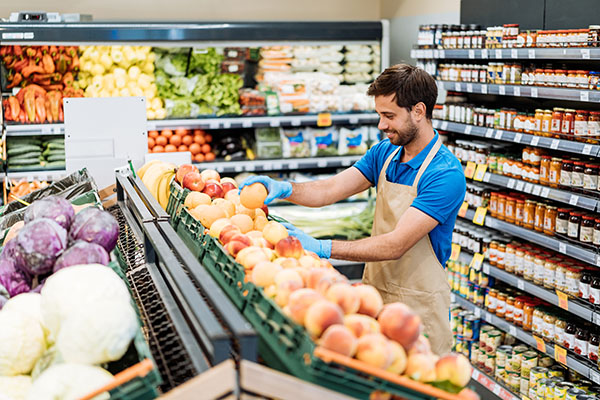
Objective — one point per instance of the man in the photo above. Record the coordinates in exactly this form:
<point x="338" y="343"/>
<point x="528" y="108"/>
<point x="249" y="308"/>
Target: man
<point x="420" y="187"/>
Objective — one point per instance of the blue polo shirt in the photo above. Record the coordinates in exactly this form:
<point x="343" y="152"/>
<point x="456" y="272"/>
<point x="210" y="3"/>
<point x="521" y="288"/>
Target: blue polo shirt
<point x="440" y="191"/>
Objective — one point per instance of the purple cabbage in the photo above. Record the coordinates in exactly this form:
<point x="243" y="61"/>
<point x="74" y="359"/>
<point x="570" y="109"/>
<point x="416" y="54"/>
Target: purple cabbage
<point x="52" y="207"/>
<point x="13" y="279"/>
<point x="95" y="226"/>
<point x="82" y="252"/>
<point x="39" y="243"/>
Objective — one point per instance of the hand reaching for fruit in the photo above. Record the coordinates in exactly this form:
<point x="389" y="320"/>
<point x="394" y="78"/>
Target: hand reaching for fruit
<point x="276" y="189"/>
<point x="321" y="247"/>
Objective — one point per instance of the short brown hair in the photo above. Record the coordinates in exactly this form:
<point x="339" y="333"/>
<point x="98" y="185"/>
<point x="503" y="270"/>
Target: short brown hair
<point x="409" y="84"/>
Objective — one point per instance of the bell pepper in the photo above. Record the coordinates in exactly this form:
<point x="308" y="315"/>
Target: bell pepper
<point x="15" y="108"/>
<point x="5" y="50"/>
<point x="71" y="51"/>
<point x="16" y="80"/>
<point x="68" y="79"/>
<point x="74" y="63"/>
<point x="30" y="69"/>
<point x="61" y="115"/>
<point x="48" y="64"/>
<point x="40" y="108"/>
<point x="61" y="64"/>
<point x="53" y="51"/>
<point x="18" y="50"/>
<point x="22" y="116"/>
<point x="48" y="110"/>
<point x="19" y="65"/>
<point x="30" y="52"/>
<point x="56" y="86"/>
<point x="29" y="103"/>
<point x="45" y="49"/>
<point x="55" y="97"/>
<point x="37" y="90"/>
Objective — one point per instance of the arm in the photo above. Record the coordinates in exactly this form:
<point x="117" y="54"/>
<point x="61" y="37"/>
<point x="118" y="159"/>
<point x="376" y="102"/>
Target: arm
<point x="412" y="227"/>
<point x="328" y="191"/>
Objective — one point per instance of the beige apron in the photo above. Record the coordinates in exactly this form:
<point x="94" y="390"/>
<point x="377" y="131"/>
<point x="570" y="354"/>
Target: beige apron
<point x="417" y="278"/>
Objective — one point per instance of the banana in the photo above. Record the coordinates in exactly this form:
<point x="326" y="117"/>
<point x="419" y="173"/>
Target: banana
<point x="145" y="167"/>
<point x="152" y="176"/>
<point x="163" y="189"/>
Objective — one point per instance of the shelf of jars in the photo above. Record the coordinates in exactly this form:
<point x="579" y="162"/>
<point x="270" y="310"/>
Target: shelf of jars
<point x="570" y="146"/>
<point x="556" y="93"/>
<point x="507" y="54"/>
<point x="583" y="309"/>
<point x="562" y="245"/>
<point x="493" y="386"/>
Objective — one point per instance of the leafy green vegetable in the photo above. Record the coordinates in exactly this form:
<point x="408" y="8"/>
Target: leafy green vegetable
<point x="206" y="61"/>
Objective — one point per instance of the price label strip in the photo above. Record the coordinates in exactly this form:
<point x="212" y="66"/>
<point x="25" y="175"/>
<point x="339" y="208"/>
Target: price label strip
<point x="560" y="354"/>
<point x="470" y="169"/>
<point x="563" y="300"/>
<point x="455" y="252"/>
<point x="535" y="140"/>
<point x="476" y="261"/>
<point x="479" y="217"/>
<point x="520" y="185"/>
<point x="540" y="344"/>
<point x="462" y="212"/>
<point x="517" y="91"/>
<point x="501" y="90"/>
<point x="480" y="172"/>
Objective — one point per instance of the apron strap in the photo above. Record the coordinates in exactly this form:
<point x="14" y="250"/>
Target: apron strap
<point x="427" y="161"/>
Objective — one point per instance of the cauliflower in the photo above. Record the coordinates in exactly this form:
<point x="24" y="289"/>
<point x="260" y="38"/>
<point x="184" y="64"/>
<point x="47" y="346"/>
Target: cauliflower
<point x="134" y="72"/>
<point x="29" y="304"/>
<point x="106" y="61"/>
<point x="144" y="81"/>
<point x="161" y="113"/>
<point x="69" y="381"/>
<point x="21" y="342"/>
<point x="97" y="69"/>
<point x="15" y="387"/>
<point x="150" y="114"/>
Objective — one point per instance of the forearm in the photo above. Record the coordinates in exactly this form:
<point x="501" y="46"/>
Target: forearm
<point x="311" y="194"/>
<point x="376" y="248"/>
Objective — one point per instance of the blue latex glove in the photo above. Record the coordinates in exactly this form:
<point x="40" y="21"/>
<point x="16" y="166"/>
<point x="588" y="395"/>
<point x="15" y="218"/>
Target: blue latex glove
<point x="276" y="189"/>
<point x="321" y="247"/>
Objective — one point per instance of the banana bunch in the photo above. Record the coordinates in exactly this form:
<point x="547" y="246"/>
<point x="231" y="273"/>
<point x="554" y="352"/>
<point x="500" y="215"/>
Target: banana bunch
<point x="157" y="176"/>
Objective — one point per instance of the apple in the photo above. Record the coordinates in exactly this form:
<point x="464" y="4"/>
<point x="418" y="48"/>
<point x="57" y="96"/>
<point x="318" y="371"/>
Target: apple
<point x="214" y="190"/>
<point x="227" y="186"/>
<point x="193" y="181"/>
<point x="210" y="174"/>
<point x="230" y="180"/>
<point x="265" y="209"/>
<point x="183" y="170"/>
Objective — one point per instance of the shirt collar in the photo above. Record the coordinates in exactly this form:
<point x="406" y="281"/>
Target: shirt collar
<point x="416" y="162"/>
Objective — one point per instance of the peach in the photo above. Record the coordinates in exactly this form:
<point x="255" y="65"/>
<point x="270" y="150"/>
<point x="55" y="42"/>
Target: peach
<point x="375" y="349"/>
<point x="455" y="368"/>
<point x="210" y="174"/>
<point x="194" y="199"/>
<point x="264" y="273"/>
<point x="243" y="221"/>
<point x="271" y="291"/>
<point x="254" y="234"/>
<point x="468" y="394"/>
<point x="207" y="214"/>
<point x="287" y="262"/>
<point x="331" y="278"/>
<point x="309" y="262"/>
<point x="361" y="324"/>
<point x="254" y="195"/>
<point x="237" y="243"/>
<point x="344" y="295"/>
<point x="398" y="322"/>
<point x="287" y="281"/>
<point x="250" y="256"/>
<point x="321" y="315"/>
<point x="314" y="276"/>
<point x="289" y="247"/>
<point x="422" y="345"/>
<point x="274" y="232"/>
<point x="261" y="242"/>
<point x="217" y="227"/>
<point x="182" y="170"/>
<point x="258" y="212"/>
<point x="227" y="232"/>
<point x="226" y="205"/>
<point x="288" y="275"/>
<point x="300" y="301"/>
<point x="340" y="339"/>
<point x="260" y="222"/>
<point x="371" y="302"/>
<point x="326" y="264"/>
<point x="400" y="359"/>
<point x="421" y="367"/>
<point x="233" y="197"/>
<point x="240" y="209"/>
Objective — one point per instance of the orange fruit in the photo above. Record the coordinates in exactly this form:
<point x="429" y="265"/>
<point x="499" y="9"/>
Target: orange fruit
<point x="153" y="134"/>
<point x="187" y="140"/>
<point x="170" y="148"/>
<point x="158" y="149"/>
<point x="181" y="131"/>
<point x="183" y="147"/>
<point x="199" y="139"/>
<point x="206" y="148"/>
<point x="253" y="196"/>
<point x="167" y="133"/>
<point x="199" y="132"/>
<point x="195" y="148"/>
<point x="208" y="138"/>
<point x="151" y="143"/>
<point x="175" y="140"/>
<point x="199" y="157"/>
<point x="161" y="141"/>
<point x="209" y="156"/>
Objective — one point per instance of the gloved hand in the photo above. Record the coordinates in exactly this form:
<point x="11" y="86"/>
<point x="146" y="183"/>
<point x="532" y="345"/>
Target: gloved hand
<point x="321" y="247"/>
<point x="276" y="189"/>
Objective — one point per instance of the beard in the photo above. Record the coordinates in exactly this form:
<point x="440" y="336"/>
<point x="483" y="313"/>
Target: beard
<point x="403" y="137"/>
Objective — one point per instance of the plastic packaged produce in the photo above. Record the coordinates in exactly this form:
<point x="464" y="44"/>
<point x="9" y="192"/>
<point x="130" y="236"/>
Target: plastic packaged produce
<point x="354" y="98"/>
<point x="357" y="77"/>
<point x="305" y="64"/>
<point x="268" y="142"/>
<point x="331" y="68"/>
<point x="69" y="381"/>
<point x="324" y="142"/>
<point x="295" y="143"/>
<point x="334" y="57"/>
<point x="352" y="67"/>
<point x="353" y="141"/>
<point x="324" y="103"/>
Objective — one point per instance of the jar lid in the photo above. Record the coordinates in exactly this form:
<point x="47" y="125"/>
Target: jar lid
<point x="520" y="201"/>
<point x="574" y="269"/>
<point x="591" y="166"/>
<point x="560" y="71"/>
<point x="579" y="163"/>
<point x="597" y="220"/>
<point x="595" y="112"/>
<point x="547" y="157"/>
<point x="559" y="109"/>
<point x="563" y="210"/>
<point x="582" y="112"/>
<point x="576" y="214"/>
<point x="588" y="217"/>
<point x="557" y="159"/>
<point x="570" y="110"/>
<point x="581" y="71"/>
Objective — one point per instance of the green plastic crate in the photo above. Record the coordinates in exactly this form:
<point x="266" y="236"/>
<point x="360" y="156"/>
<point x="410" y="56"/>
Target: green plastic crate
<point x="283" y="344"/>
<point x="176" y="200"/>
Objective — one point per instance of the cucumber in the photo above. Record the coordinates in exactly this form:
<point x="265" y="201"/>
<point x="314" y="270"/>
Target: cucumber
<point x="23" y="149"/>
<point x="56" y="146"/>
<point x="30" y="154"/>
<point x="55" y="158"/>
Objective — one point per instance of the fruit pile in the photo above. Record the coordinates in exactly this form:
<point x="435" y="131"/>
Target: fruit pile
<point x="196" y="141"/>
<point x="347" y="319"/>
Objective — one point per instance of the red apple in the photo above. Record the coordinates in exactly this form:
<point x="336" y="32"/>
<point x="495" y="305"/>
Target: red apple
<point x="183" y="170"/>
<point x="227" y="186"/>
<point x="210" y="174"/>
<point x="214" y="190"/>
<point x="265" y="209"/>
<point x="193" y="181"/>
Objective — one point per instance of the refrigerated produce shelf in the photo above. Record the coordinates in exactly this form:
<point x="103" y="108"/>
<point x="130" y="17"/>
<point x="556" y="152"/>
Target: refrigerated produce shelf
<point x="591" y="96"/>
<point x="41" y="175"/>
<point x="289" y="164"/>
<point x="532" y="53"/>
<point x="549" y="242"/>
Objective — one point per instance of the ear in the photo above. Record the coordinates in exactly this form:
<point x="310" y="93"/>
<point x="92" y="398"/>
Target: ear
<point x="419" y="112"/>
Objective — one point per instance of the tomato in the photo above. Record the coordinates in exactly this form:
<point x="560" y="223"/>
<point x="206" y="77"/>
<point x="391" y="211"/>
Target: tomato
<point x="170" y="148"/>
<point x="158" y="149"/>
<point x="161" y="141"/>
<point x="206" y="148"/>
<point x="167" y="133"/>
<point x="151" y="143"/>
<point x="209" y="156"/>
<point x="181" y="131"/>
<point x="199" y="132"/>
<point x="153" y="134"/>
<point x="175" y="140"/>
<point x="208" y="138"/>
<point x="199" y="139"/>
<point x="199" y="157"/>
<point x="183" y="147"/>
<point x="187" y="140"/>
<point x="195" y="148"/>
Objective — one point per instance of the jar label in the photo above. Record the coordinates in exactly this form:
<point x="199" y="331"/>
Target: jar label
<point x="548" y="224"/>
<point x="556" y="125"/>
<point x="565" y="178"/>
<point x="537" y="325"/>
<point x="580" y="346"/>
<point x="590" y="182"/>
<point x="569" y="340"/>
<point x="581" y="128"/>
<point x="552" y="176"/>
<point x="577" y="179"/>
<point x="559" y="279"/>
<point x="586" y="234"/>
<point x="573" y="230"/>
<point x="561" y="226"/>
<point x="558" y="334"/>
<point x="596" y="236"/>
<point x="548" y="330"/>
<point x="572" y="286"/>
<point x="500" y="307"/>
<point x="594" y="295"/>
<point x="584" y="290"/>
<point x="592" y="352"/>
<point x="545" y="125"/>
<point x="566" y="126"/>
<point x="549" y="277"/>
<point x="518" y="314"/>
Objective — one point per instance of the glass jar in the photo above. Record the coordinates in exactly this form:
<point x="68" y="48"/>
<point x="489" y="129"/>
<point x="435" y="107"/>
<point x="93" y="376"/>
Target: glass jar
<point x="518" y="310"/>
<point x="509" y="209"/>
<point x="596" y="237"/>
<point x="581" y="340"/>
<point x="510" y="308"/>
<point x="537" y="321"/>
<point x="519" y="212"/>
<point x="538" y="269"/>
<point x="581" y="123"/>
<point x="528" y="315"/>
<point x="565" y="173"/>
<point x="573" y="226"/>
<point x="549" y="273"/>
<point x="586" y="231"/>
<point x="557" y="118"/>
<point x="572" y="79"/>
<point x="567" y="122"/>
<point x="500" y="208"/>
<point x="554" y="172"/>
<point x="584" y="284"/>
<point x="535" y="156"/>
<point x="594" y="123"/>
<point x="493" y="206"/>
<point x="569" y="336"/>
<point x="562" y="221"/>
<point x="594" y="296"/>
<point x="545" y="169"/>
<point x="529" y="214"/>
<point x="509" y="258"/>
<point x="593" y="343"/>
<point x="501" y="304"/>
<point x="559" y="330"/>
<point x="550" y="220"/>
<point x="528" y="268"/>
<point x="547" y="123"/>
<point x="582" y="79"/>
<point x="572" y="279"/>
<point x="491" y="300"/>
<point x="538" y="223"/>
<point x="560" y="276"/>
<point x="548" y="327"/>
<point x="500" y="256"/>
<point x="577" y="174"/>
<point x="590" y="177"/>
<point x="539" y="116"/>
<point x="560" y="77"/>
<point x="493" y="257"/>
<point x="519" y="261"/>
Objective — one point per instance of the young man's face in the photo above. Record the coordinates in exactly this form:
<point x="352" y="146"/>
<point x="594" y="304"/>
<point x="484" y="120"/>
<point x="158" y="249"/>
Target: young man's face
<point x="395" y="121"/>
